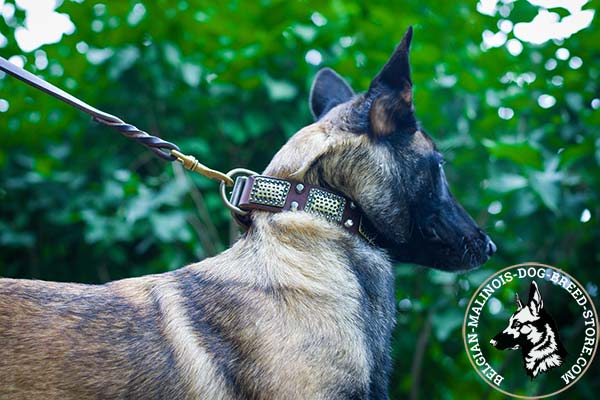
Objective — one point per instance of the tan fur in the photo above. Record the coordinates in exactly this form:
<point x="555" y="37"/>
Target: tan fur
<point x="421" y="144"/>
<point x="381" y="118"/>
<point x="308" y="287"/>
<point x="307" y="145"/>
<point x="199" y="374"/>
<point x="387" y="107"/>
<point x="407" y="94"/>
<point x="36" y="341"/>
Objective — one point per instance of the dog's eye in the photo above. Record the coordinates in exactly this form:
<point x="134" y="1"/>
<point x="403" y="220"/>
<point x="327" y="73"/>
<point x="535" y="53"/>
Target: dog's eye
<point x="517" y="325"/>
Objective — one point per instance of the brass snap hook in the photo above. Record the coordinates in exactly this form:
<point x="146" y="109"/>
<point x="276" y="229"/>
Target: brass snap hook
<point x="192" y="164"/>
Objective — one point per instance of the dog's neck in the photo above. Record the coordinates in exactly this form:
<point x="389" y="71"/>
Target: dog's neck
<point x="298" y="242"/>
<point x="298" y="247"/>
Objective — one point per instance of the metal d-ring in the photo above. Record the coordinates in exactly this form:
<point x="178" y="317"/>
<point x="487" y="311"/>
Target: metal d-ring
<point x="223" y="185"/>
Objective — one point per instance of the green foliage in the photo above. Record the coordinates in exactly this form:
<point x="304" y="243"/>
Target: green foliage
<point x="229" y="83"/>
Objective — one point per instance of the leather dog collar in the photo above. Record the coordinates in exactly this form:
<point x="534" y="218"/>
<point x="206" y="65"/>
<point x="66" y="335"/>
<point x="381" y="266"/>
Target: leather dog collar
<point x="259" y="192"/>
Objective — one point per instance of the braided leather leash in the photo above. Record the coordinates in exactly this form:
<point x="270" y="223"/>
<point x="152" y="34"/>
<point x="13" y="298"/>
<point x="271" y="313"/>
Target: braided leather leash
<point x="165" y="150"/>
<point x="253" y="192"/>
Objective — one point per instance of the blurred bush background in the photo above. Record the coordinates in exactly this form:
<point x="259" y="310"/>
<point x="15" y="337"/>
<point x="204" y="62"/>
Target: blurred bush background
<point x="513" y="104"/>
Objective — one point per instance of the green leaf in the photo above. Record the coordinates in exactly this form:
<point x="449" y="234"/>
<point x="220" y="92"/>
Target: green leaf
<point x="191" y="74"/>
<point x="546" y="185"/>
<point x="305" y="32"/>
<point x="170" y="227"/>
<point x="172" y="54"/>
<point x="521" y="152"/>
<point x="505" y="183"/>
<point x="280" y="90"/>
<point x="444" y="322"/>
<point x="123" y="60"/>
<point x="98" y="56"/>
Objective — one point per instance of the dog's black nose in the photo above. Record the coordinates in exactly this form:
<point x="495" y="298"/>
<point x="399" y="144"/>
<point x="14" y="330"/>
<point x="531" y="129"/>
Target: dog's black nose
<point x="490" y="248"/>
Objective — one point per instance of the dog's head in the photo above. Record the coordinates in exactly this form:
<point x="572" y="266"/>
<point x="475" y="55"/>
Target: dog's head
<point x="371" y="148"/>
<point x="525" y="325"/>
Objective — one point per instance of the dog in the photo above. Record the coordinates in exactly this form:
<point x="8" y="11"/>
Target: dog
<point x="297" y="308"/>
<point x="532" y="330"/>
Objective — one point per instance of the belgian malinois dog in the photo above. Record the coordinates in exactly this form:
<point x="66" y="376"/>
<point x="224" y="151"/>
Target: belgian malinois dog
<point x="298" y="308"/>
<point x="531" y="329"/>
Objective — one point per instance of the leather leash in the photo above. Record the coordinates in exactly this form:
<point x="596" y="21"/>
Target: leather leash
<point x="165" y="150"/>
<point x="252" y="192"/>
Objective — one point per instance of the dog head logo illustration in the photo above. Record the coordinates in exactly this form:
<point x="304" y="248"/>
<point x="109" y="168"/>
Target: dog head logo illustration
<point x="532" y="329"/>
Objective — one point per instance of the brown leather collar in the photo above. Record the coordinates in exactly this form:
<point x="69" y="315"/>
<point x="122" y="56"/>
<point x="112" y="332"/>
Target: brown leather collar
<point x="259" y="192"/>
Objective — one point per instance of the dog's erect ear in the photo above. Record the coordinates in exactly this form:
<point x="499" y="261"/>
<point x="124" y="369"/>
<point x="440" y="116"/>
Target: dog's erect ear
<point x="535" y="299"/>
<point x="396" y="72"/>
<point x="392" y="107"/>
<point x="519" y="303"/>
<point x="328" y="90"/>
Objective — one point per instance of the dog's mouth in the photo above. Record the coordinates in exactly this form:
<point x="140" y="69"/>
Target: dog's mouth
<point x="471" y="249"/>
<point x="433" y="246"/>
<point x="473" y="252"/>
<point x="445" y="237"/>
